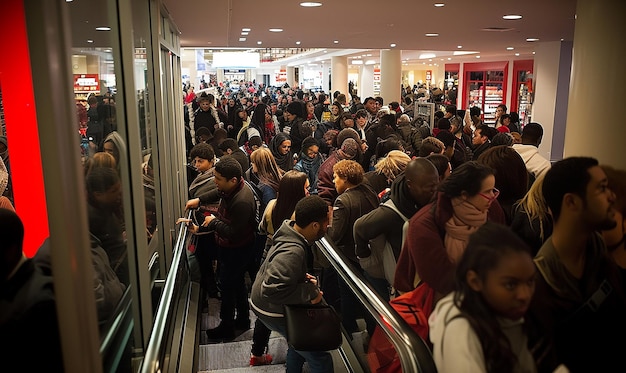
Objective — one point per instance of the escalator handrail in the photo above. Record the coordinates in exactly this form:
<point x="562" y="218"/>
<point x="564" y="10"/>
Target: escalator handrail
<point x="414" y="354"/>
<point x="151" y="357"/>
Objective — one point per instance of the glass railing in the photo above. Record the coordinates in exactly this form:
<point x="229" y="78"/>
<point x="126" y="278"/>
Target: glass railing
<point x="413" y="353"/>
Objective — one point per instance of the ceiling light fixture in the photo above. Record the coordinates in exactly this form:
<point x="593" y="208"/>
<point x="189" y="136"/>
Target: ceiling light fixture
<point x="310" y="4"/>
<point x="427" y="55"/>
<point x="512" y="16"/>
<point x="357" y="62"/>
<point x="244" y="33"/>
<point x="449" y="58"/>
<point x="336" y="41"/>
<point x="276" y="30"/>
<point x="392" y="45"/>
<point x="439" y="5"/>
<point x="532" y="39"/>
<point x="89" y="41"/>
<point x="517" y="54"/>
<point x="370" y="62"/>
<point x="509" y="48"/>
<point x="245" y="29"/>
<point x="242" y="39"/>
<point x="298" y="42"/>
<point x="431" y="35"/>
<point x="477" y="56"/>
<point x="103" y="28"/>
<point x="459" y="46"/>
<point x="533" y="52"/>
<point x="259" y="42"/>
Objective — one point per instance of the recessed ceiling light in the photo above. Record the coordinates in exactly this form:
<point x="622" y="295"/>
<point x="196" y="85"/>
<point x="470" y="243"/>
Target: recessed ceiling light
<point x="532" y="39"/>
<point x="310" y="4"/>
<point x="562" y="39"/>
<point x="533" y="52"/>
<point x="449" y="58"/>
<point x="512" y="16"/>
<point x="459" y="46"/>
<point x="427" y="55"/>
<point x="430" y="60"/>
<point x="336" y="41"/>
<point x="439" y="5"/>
<point x="357" y="62"/>
<point x="431" y="34"/>
<point x="392" y="45"/>
<point x="259" y="42"/>
<point x="298" y="43"/>
<point x="517" y="54"/>
<point x="244" y="33"/>
<point x="370" y="62"/>
<point x="103" y="28"/>
<point x="276" y="30"/>
<point x="477" y="56"/>
<point x="242" y="39"/>
<point x="368" y="55"/>
<point x="245" y="29"/>
<point x="89" y="41"/>
<point x="509" y="48"/>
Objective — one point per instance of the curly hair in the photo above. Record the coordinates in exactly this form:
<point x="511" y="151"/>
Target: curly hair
<point x="349" y="170"/>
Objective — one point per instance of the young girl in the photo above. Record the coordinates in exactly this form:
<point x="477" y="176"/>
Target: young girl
<point x="479" y="327"/>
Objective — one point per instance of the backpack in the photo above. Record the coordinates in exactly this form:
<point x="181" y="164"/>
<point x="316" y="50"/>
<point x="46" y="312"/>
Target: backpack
<point x="258" y="204"/>
<point x="382" y="262"/>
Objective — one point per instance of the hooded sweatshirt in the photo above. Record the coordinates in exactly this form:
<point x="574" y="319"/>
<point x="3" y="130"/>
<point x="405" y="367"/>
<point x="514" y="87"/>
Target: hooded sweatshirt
<point x="282" y="277"/>
<point x="457" y="348"/>
<point x="536" y="164"/>
<point x="384" y="220"/>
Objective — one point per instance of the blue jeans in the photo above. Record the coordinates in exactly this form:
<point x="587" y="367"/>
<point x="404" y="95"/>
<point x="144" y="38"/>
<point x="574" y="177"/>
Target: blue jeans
<point x="319" y="361"/>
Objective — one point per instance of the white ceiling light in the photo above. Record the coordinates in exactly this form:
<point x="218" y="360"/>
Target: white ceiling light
<point x="512" y="16"/>
<point x="103" y="28"/>
<point x="310" y="4"/>
<point x="244" y="33"/>
<point x="439" y="5"/>
<point x="427" y="55"/>
<point x="392" y="45"/>
<point x="89" y="41"/>
<point x="357" y="62"/>
<point x="517" y="54"/>
<point x="532" y="39"/>
<point x="459" y="46"/>
<point x="259" y="42"/>
<point x="533" y="52"/>
<point x="336" y="41"/>
<point x="509" y="48"/>
<point x="370" y="62"/>
<point x="449" y="58"/>
<point x="477" y="56"/>
<point x="242" y="39"/>
<point x="245" y="29"/>
<point x="461" y="53"/>
<point x="431" y="35"/>
<point x="298" y="43"/>
<point x="276" y="30"/>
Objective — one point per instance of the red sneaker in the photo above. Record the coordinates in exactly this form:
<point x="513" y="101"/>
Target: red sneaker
<point x="265" y="359"/>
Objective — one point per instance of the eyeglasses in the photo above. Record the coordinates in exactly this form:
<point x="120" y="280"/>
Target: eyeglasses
<point x="495" y="192"/>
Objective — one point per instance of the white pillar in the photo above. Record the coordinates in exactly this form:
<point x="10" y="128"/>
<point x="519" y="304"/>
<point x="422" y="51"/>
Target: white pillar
<point x="291" y="77"/>
<point x="366" y="85"/>
<point x="390" y="75"/>
<point x="553" y="62"/>
<point x="339" y="74"/>
<point x="595" y="125"/>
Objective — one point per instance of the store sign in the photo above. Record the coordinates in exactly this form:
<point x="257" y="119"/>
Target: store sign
<point x="377" y="75"/>
<point x="85" y="83"/>
<point x="140" y="54"/>
<point x="429" y="75"/>
<point x="281" y="76"/>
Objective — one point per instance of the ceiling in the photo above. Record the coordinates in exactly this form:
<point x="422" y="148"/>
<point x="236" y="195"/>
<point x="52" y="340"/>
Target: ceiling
<point x="359" y="28"/>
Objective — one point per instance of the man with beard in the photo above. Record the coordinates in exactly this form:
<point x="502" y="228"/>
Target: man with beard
<point x="577" y="312"/>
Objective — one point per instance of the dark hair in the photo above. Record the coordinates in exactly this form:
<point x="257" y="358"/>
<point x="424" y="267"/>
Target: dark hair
<point x="228" y="167"/>
<point x="485" y="249"/>
<point x="438" y="115"/>
<point x="228" y="143"/>
<point x="532" y="133"/>
<point x="361" y="113"/>
<point x="202" y="150"/>
<point x="255" y="141"/>
<point x="311" y="209"/>
<point x="570" y="175"/>
<point x="510" y="171"/>
<point x="451" y="109"/>
<point x="380" y="100"/>
<point x="503" y="107"/>
<point x="474" y="111"/>
<point x="12" y="233"/>
<point x="383" y="147"/>
<point x="468" y="178"/>
<point x="290" y="191"/>
<point x="440" y="161"/>
<point x="443" y="124"/>
<point x="367" y="99"/>
<point x="100" y="179"/>
<point x="485" y="130"/>
<point x="295" y="108"/>
<point x="388" y="120"/>
<point x="505" y="116"/>
<point x="502" y="138"/>
<point x="447" y="138"/>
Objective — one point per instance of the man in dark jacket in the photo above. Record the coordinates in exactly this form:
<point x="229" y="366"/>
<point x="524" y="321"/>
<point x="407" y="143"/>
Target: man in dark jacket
<point x="234" y="228"/>
<point x="284" y="278"/>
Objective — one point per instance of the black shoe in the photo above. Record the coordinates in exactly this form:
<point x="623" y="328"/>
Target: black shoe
<point x="242" y="324"/>
<point x="215" y="294"/>
<point x="222" y="333"/>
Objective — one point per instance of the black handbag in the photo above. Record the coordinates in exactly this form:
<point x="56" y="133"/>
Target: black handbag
<point x="313" y="327"/>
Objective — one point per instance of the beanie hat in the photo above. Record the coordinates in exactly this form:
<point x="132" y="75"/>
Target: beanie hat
<point x="349" y="149"/>
<point x="347" y="133"/>
<point x="295" y="108"/>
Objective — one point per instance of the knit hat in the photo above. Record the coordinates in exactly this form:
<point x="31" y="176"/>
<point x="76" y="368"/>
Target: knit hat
<point x="347" y="133"/>
<point x="349" y="149"/>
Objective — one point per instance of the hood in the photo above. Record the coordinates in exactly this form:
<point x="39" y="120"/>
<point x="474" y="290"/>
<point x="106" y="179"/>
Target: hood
<point x="526" y="151"/>
<point x="286" y="234"/>
<point x="401" y="198"/>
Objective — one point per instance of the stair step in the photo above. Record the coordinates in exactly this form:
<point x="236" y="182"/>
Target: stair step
<point x="259" y="369"/>
<point x="236" y="354"/>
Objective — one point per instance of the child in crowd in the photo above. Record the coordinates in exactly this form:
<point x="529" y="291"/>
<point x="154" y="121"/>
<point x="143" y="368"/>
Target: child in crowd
<point x="480" y="326"/>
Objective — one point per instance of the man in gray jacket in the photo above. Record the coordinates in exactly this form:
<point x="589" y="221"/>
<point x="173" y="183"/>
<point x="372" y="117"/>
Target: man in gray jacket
<point x="284" y="278"/>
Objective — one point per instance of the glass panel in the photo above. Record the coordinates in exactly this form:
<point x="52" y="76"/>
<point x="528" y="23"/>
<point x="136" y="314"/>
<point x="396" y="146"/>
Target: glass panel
<point x="476" y="95"/>
<point x="495" y="76"/>
<point x="102" y="130"/>
<point x="493" y="98"/>
<point x="476" y="75"/>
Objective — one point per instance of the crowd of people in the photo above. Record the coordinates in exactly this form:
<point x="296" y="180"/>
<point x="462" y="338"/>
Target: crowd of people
<point x="524" y="257"/>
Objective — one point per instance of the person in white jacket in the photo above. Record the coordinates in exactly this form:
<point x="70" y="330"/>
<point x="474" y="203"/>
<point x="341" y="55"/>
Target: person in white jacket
<point x="536" y="164"/>
<point x="480" y="326"/>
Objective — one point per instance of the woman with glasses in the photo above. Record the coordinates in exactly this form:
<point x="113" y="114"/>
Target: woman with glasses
<point x="439" y="232"/>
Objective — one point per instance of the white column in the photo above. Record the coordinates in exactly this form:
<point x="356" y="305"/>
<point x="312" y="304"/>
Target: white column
<point x="552" y="74"/>
<point x="390" y="75"/>
<point x="366" y="85"/>
<point x="291" y="77"/>
<point x="339" y="74"/>
<point x="595" y="125"/>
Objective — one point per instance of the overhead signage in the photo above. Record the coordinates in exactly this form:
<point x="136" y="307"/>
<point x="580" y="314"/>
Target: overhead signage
<point x="86" y="83"/>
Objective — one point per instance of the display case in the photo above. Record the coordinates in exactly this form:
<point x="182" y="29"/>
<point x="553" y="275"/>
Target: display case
<point x="426" y="112"/>
<point x="485" y="87"/>
<point x="523" y="85"/>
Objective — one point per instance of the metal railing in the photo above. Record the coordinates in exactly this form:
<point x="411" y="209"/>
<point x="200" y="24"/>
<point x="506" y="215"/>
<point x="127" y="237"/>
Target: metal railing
<point x="414" y="354"/>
